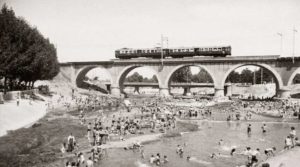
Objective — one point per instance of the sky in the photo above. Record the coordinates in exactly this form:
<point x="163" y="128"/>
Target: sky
<point x="90" y="30"/>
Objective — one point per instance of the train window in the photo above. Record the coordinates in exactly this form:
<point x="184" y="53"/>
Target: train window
<point x="179" y="50"/>
<point x="210" y="49"/>
<point x="171" y="50"/>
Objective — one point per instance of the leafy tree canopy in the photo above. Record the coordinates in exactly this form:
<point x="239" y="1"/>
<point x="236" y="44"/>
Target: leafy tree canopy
<point x="25" y="54"/>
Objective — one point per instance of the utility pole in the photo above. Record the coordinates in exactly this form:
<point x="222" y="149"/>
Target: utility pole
<point x="254" y="78"/>
<point x="162" y="51"/>
<point x="261" y="75"/>
<point x="163" y="39"/>
<point x="294" y="34"/>
<point x="281" y="36"/>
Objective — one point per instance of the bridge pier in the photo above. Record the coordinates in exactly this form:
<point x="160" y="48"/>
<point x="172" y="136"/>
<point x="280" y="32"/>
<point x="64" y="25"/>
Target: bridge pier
<point x="284" y="93"/>
<point x="115" y="91"/>
<point x="219" y="92"/>
<point x="187" y="91"/>
<point x="1" y="98"/>
<point x="228" y="90"/>
<point x="164" y="92"/>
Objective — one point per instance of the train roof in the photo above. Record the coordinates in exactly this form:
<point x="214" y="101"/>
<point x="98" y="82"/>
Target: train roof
<point x="183" y="47"/>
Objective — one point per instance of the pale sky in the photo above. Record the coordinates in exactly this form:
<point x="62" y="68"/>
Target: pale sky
<point x="90" y="30"/>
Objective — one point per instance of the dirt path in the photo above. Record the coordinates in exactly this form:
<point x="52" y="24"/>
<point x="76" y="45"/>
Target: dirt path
<point x="13" y="117"/>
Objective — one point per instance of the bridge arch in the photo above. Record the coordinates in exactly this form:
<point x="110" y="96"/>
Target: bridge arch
<point x="124" y="72"/>
<point x="83" y="71"/>
<point x="169" y="76"/>
<point x="172" y="72"/>
<point x="273" y="72"/>
<point x="290" y="81"/>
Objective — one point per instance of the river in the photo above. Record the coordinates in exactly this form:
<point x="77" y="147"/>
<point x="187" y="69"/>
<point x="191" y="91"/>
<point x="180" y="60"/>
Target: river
<point x="201" y="144"/>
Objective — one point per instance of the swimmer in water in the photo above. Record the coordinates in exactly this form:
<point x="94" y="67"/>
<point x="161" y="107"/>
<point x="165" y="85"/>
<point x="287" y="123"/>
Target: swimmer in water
<point x="220" y="142"/>
<point x="264" y="128"/>
<point x="178" y="148"/>
<point x="165" y="160"/>
<point x="249" y="129"/>
<point x="232" y="151"/>
<point x="270" y="151"/>
<point x="213" y="155"/>
<point x="152" y="159"/>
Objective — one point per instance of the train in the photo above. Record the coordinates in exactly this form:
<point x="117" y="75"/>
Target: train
<point x="180" y="52"/>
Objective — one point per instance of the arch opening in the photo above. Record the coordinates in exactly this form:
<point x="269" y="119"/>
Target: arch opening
<point x="294" y="84"/>
<point x="94" y="78"/>
<point x="252" y="81"/>
<point x="191" y="79"/>
<point x="139" y="80"/>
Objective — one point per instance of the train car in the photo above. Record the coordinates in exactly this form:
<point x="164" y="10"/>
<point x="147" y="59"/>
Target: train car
<point x="180" y="52"/>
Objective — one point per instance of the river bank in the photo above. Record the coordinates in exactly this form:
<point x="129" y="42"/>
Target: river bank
<point x="288" y="158"/>
<point x="13" y="116"/>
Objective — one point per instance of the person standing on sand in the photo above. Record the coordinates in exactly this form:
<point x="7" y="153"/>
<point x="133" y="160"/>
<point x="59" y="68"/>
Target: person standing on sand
<point x="293" y="135"/>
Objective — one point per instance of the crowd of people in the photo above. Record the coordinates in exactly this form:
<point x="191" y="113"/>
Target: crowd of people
<point x="145" y="116"/>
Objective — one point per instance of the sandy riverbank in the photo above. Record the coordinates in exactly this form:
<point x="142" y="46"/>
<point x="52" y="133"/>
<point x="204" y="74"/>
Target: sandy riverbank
<point x="129" y="142"/>
<point x="13" y="117"/>
<point x="288" y="158"/>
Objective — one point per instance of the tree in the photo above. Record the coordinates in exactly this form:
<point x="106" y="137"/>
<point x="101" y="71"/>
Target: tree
<point x="26" y="56"/>
<point x="267" y="76"/>
<point x="234" y="77"/>
<point x="135" y="77"/>
<point x="202" y="77"/>
<point x="154" y="79"/>
<point x="296" y="80"/>
<point x="182" y="75"/>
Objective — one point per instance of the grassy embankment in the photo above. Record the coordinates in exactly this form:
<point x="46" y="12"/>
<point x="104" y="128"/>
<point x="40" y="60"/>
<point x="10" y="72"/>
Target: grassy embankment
<point x="40" y="143"/>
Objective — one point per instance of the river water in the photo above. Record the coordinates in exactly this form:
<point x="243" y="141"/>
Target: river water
<point x="201" y="144"/>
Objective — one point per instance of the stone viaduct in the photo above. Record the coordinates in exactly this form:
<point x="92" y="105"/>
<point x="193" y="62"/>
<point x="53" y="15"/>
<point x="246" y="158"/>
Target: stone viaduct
<point x="219" y="68"/>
